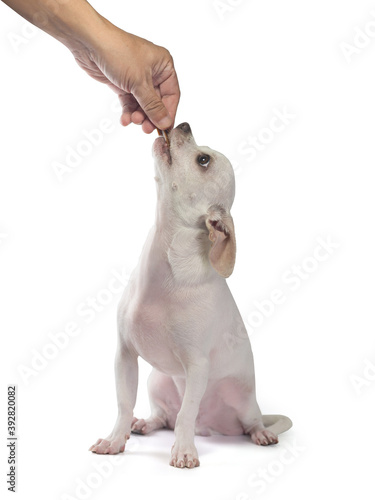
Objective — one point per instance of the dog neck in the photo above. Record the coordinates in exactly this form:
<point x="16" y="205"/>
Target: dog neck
<point x="176" y="251"/>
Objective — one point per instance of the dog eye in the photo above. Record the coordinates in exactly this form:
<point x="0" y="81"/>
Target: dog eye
<point x="203" y="160"/>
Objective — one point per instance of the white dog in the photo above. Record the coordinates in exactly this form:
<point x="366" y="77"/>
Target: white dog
<point x="179" y="314"/>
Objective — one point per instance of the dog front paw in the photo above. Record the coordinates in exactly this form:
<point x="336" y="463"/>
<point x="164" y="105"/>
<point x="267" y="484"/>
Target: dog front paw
<point x="109" y="446"/>
<point x="184" y="456"/>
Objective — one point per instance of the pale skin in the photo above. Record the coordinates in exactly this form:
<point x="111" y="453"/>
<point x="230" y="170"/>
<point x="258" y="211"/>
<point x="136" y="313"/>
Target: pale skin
<point x="141" y="73"/>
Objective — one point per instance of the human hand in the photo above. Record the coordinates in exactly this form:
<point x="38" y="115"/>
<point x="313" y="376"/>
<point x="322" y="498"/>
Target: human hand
<point x="141" y="73"/>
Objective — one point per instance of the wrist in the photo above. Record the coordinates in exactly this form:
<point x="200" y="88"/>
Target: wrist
<point x="76" y="24"/>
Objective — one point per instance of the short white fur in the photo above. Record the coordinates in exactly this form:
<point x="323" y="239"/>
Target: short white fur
<point x="178" y="314"/>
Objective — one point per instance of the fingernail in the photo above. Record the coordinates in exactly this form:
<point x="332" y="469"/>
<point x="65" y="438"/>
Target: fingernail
<point x="165" y="122"/>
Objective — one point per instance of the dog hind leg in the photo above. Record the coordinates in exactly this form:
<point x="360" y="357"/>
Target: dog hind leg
<point x="165" y="403"/>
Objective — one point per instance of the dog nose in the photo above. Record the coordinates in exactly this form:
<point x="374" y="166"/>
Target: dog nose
<point x="185" y="127"/>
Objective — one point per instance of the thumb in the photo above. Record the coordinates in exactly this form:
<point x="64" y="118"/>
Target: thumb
<point x="153" y="106"/>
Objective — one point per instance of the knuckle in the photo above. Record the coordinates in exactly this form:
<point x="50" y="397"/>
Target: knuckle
<point x="153" y="105"/>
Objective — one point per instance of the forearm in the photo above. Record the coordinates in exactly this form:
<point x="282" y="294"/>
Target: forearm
<point x="141" y="73"/>
<point x="72" y="22"/>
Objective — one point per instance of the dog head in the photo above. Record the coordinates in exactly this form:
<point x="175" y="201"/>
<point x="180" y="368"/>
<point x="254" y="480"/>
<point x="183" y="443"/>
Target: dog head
<point x="196" y="189"/>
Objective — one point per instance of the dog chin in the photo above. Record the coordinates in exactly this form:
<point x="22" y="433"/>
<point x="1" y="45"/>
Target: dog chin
<point x="161" y="151"/>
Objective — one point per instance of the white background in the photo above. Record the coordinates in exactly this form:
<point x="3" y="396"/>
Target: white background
<point x="61" y="241"/>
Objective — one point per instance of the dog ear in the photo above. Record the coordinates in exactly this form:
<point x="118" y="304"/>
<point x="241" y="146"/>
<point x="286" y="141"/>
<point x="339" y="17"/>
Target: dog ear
<point x="222" y="253"/>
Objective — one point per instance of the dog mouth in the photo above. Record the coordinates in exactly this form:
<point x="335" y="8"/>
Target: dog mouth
<point x="164" y="134"/>
<point x="162" y="150"/>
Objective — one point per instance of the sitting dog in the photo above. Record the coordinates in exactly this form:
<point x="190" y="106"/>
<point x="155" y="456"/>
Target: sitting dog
<point x="178" y="313"/>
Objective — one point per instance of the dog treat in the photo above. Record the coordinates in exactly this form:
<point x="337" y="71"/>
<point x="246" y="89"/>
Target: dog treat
<point x="165" y="135"/>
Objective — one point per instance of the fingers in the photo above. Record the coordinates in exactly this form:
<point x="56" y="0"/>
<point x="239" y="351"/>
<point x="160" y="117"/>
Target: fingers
<point x="132" y="113"/>
<point x="140" y="72"/>
<point x="148" y="127"/>
<point x="153" y="106"/>
<point x="129" y="105"/>
<point x="138" y="117"/>
<point x="153" y="99"/>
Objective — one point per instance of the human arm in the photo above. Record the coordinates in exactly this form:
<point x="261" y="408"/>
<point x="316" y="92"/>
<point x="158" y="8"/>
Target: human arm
<point x="141" y="73"/>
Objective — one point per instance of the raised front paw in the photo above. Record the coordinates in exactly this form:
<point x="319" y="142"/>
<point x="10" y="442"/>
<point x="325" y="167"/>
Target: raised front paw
<point x="264" y="437"/>
<point x="184" y="456"/>
<point x="109" y="446"/>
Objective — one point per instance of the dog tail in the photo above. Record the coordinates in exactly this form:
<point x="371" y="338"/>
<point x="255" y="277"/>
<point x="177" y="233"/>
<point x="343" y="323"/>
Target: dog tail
<point x="277" y="423"/>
